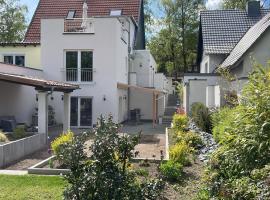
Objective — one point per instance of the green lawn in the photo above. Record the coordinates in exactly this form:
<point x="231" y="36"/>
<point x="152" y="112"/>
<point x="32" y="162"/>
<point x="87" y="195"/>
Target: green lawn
<point x="31" y="187"/>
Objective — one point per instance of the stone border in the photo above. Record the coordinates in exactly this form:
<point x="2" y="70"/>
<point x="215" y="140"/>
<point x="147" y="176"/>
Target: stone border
<point x="16" y="150"/>
<point x="167" y="147"/>
<point x="39" y="170"/>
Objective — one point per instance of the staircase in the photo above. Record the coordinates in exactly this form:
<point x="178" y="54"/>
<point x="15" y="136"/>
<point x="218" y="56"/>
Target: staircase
<point x="170" y="109"/>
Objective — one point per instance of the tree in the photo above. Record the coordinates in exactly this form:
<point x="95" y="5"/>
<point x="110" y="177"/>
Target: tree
<point x="235" y="4"/>
<point x="12" y="21"/>
<point x="178" y="38"/>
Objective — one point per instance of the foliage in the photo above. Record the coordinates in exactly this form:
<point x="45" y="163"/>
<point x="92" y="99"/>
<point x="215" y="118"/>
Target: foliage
<point x="180" y="92"/>
<point x="190" y="138"/>
<point x="59" y="143"/>
<point x="180" y="122"/>
<point x="238" y="169"/>
<point x="12" y="21"/>
<point x="180" y="153"/>
<point x="201" y="116"/>
<point x="171" y="170"/>
<point x="105" y="173"/>
<point x="174" y="47"/>
<point x="19" y="132"/>
<point x="223" y="122"/>
<point x="3" y="137"/>
<point x="142" y="172"/>
<point x="235" y="4"/>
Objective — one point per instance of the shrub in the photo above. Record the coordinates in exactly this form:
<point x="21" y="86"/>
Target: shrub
<point x="105" y="174"/>
<point x="223" y="122"/>
<point x="180" y="122"/>
<point x="19" y="132"/>
<point x="201" y="116"/>
<point x="171" y="170"/>
<point x="59" y="143"/>
<point x="180" y="153"/>
<point x="3" y="137"/>
<point x="142" y="172"/>
<point x="190" y="138"/>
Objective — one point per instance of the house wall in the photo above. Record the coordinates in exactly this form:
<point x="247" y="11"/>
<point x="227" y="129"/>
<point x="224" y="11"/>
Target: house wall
<point x="31" y="53"/>
<point x="18" y="100"/>
<point x="212" y="61"/>
<point x="109" y="62"/>
<point x="144" y="66"/>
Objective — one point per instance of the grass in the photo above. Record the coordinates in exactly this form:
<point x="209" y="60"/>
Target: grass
<point x="31" y="187"/>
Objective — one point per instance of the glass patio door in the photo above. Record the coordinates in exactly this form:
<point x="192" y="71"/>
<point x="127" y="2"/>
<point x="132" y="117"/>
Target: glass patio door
<point x="81" y="112"/>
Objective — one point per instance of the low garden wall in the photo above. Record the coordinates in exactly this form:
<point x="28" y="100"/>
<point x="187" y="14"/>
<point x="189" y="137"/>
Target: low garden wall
<point x="16" y="150"/>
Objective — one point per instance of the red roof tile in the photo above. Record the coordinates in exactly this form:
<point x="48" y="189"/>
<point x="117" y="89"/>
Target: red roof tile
<point x="60" y="8"/>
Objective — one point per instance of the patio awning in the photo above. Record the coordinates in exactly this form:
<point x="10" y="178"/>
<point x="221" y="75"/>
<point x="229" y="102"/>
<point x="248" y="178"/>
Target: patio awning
<point x="149" y="90"/>
<point x="38" y="83"/>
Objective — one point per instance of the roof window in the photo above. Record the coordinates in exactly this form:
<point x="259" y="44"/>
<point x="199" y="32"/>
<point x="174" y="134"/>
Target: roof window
<point x="116" y="12"/>
<point x="71" y="14"/>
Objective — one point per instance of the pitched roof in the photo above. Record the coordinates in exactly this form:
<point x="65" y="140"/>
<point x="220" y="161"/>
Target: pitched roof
<point x="222" y="29"/>
<point x="247" y="41"/>
<point x="60" y="8"/>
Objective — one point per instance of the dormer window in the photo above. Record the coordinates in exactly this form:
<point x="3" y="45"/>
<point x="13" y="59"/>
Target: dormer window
<point x="71" y="14"/>
<point x="116" y="12"/>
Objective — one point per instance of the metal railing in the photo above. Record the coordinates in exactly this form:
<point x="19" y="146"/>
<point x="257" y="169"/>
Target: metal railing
<point x="79" y="25"/>
<point x="79" y="75"/>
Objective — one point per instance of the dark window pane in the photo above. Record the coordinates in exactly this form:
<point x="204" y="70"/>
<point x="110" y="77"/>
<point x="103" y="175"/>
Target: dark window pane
<point x="19" y="60"/>
<point x="8" y="60"/>
<point x="71" y="66"/>
<point x="86" y="66"/>
<point x="74" y="111"/>
<point x="86" y="112"/>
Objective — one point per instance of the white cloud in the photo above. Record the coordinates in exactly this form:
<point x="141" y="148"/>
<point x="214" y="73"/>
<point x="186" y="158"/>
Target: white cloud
<point x="213" y="4"/>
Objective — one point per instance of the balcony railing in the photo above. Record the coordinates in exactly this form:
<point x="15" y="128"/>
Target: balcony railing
<point x="79" y="75"/>
<point x="79" y="25"/>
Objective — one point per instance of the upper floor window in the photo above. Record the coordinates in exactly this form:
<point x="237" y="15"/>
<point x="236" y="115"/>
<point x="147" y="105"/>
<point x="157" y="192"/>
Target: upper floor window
<point x="18" y="60"/>
<point x="71" y="14"/>
<point x="79" y="66"/>
<point x="116" y="12"/>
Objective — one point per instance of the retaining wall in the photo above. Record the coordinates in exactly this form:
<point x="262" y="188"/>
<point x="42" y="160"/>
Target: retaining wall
<point x="16" y="150"/>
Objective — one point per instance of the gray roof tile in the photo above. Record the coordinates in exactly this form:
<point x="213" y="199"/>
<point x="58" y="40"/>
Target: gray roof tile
<point x="252" y="35"/>
<point x="222" y="29"/>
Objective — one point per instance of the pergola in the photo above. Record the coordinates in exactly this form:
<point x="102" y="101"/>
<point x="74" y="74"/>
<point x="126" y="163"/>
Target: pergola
<point x="155" y="93"/>
<point x="44" y="88"/>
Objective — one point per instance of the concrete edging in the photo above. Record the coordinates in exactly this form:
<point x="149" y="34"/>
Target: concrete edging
<point x="167" y="156"/>
<point x="39" y="170"/>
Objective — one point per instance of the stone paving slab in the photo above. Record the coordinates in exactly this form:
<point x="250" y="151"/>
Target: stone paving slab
<point x="13" y="172"/>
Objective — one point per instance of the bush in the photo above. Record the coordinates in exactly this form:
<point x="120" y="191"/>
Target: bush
<point x="105" y="174"/>
<point x="181" y="153"/>
<point x="171" y="170"/>
<point x="3" y="137"/>
<point x="190" y="138"/>
<point x="201" y="116"/>
<point x="58" y="145"/>
<point x="180" y="122"/>
<point x="142" y="172"/>
<point x="223" y="122"/>
<point x="19" y="132"/>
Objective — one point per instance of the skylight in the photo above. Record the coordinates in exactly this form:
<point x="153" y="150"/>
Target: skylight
<point x="116" y="12"/>
<point x="71" y="14"/>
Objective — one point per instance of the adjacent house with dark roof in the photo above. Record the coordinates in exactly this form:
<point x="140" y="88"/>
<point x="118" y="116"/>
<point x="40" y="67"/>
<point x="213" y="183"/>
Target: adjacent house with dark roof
<point x="227" y="38"/>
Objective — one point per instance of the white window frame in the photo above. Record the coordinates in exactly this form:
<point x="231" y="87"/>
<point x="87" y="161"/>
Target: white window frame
<point x="14" y="58"/>
<point x="79" y="51"/>
<point x="79" y="111"/>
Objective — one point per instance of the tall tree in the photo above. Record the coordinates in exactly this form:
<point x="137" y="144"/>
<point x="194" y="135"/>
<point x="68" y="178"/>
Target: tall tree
<point x="179" y="35"/>
<point x="12" y="21"/>
<point x="235" y="4"/>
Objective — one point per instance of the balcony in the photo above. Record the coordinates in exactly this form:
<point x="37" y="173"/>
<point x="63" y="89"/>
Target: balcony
<point x="79" y="25"/>
<point x="79" y="75"/>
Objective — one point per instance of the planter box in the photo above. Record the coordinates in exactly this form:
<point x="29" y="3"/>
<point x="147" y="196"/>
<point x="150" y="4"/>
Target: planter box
<point x="13" y="151"/>
<point x="40" y="170"/>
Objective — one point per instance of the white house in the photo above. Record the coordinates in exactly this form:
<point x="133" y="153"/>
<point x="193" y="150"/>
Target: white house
<point x="98" y="46"/>
<point x="221" y="35"/>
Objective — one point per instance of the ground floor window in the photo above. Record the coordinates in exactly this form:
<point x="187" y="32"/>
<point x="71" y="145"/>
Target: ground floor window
<point x="81" y="112"/>
<point x="18" y="60"/>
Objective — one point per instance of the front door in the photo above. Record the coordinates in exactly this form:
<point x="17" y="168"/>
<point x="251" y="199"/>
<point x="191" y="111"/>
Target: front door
<point x="81" y="112"/>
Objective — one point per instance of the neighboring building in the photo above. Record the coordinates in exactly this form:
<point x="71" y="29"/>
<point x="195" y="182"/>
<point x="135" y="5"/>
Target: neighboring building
<point x="220" y="32"/>
<point x="100" y="46"/>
